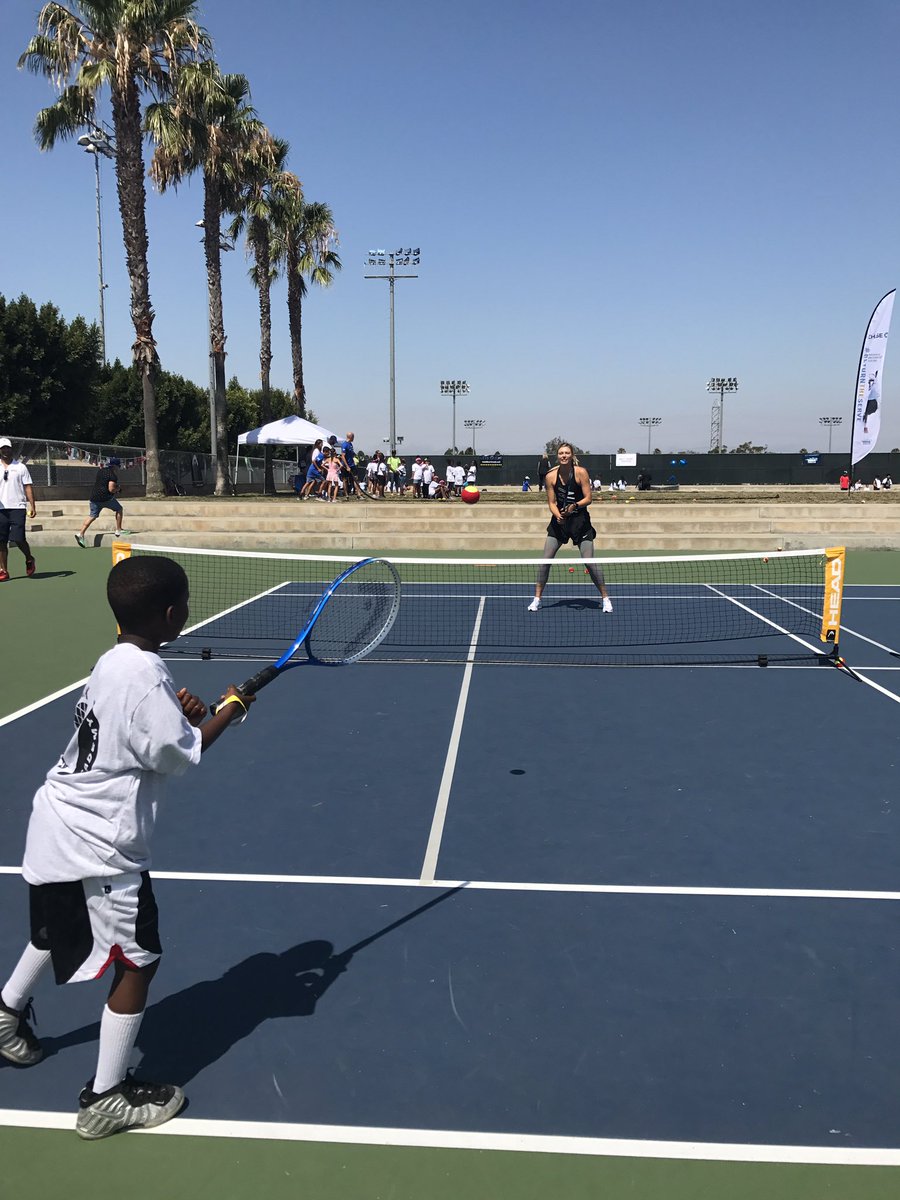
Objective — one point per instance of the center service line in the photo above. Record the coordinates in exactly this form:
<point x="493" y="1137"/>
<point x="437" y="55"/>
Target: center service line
<point x="433" y="849"/>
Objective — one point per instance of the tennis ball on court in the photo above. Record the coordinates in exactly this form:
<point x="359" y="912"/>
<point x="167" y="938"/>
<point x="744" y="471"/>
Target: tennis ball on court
<point x="765" y="560"/>
<point x="571" y="570"/>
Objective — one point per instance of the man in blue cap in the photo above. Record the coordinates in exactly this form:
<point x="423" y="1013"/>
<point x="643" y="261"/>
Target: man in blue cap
<point x="103" y="495"/>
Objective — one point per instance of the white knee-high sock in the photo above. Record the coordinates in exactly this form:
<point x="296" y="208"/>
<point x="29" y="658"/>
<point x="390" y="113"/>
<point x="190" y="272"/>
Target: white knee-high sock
<point x="28" y="971"/>
<point x="118" y="1033"/>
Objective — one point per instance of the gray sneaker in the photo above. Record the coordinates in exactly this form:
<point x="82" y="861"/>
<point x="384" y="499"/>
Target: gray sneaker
<point x="79" y="538"/>
<point x="17" y="1041"/>
<point x="131" y="1104"/>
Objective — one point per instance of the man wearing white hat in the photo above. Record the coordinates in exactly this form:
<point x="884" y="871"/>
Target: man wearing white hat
<point x="16" y="491"/>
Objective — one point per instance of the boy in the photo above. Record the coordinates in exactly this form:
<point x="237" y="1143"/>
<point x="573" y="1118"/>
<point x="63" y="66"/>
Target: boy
<point x="87" y="850"/>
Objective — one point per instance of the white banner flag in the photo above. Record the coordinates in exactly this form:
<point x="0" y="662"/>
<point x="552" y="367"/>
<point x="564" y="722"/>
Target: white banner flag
<point x="867" y="403"/>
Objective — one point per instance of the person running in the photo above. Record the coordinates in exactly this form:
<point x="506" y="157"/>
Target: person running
<point x="103" y="495"/>
<point x="87" y="849"/>
<point x="569" y="493"/>
<point x="16" y="490"/>
<point x="314" y="475"/>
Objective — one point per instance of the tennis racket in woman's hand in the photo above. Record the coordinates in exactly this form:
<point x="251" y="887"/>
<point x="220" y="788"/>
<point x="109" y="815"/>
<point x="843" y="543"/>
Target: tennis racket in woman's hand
<point x="352" y="616"/>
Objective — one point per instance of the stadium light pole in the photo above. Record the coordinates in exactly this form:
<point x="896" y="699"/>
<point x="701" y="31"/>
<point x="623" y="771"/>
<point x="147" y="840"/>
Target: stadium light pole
<point x="473" y="424"/>
<point x="393" y="259"/>
<point x="830" y="423"/>
<point x="650" y="422"/>
<point x="97" y="143"/>
<point x="720" y="385"/>
<point x="224" y="245"/>
<point x="454" y="388"/>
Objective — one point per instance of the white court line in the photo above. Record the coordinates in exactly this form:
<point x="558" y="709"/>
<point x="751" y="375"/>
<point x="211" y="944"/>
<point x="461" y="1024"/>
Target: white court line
<point x="429" y="864"/>
<point x="857" y="671"/>
<point x="488" y="885"/>
<point x="451" y="1139"/>
<point x="226" y="611"/>
<point x="29" y="708"/>
<point x="844" y="628"/>
<point x="766" y="621"/>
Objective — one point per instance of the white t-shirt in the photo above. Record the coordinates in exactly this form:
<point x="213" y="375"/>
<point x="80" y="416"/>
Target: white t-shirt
<point x="12" y="490"/>
<point x="427" y="473"/>
<point x="94" y="813"/>
<point x="417" y="472"/>
<point x="470" y="476"/>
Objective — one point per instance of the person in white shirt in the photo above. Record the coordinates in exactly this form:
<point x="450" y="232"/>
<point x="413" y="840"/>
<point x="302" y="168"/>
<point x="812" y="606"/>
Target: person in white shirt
<point x="417" y="477"/>
<point x="427" y="477"/>
<point x="470" y="475"/>
<point x="87" y="850"/>
<point x="16" y="490"/>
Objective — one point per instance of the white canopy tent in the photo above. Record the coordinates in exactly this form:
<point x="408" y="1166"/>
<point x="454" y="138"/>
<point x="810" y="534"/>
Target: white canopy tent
<point x="289" y="431"/>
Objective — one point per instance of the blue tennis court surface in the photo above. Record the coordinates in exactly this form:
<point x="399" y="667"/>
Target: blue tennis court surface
<point x="648" y="903"/>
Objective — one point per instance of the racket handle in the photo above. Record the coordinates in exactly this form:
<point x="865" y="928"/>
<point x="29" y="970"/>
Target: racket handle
<point x="259" y="680"/>
<point x="253" y="684"/>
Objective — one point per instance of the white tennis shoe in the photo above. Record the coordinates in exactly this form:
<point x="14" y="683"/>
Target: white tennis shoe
<point x="534" y="605"/>
<point x="607" y="604"/>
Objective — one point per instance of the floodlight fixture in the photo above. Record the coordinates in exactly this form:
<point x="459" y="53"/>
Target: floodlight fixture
<point x="830" y="423"/>
<point x="454" y="388"/>
<point x="392" y="259"/>
<point x="98" y="143"/>
<point x="720" y="384"/>
<point x="650" y="423"/>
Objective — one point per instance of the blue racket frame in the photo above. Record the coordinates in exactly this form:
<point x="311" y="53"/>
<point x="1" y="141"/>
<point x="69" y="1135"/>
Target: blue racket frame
<point x="252" y="685"/>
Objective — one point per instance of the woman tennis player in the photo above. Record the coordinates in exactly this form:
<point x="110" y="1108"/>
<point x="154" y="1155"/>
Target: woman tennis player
<point x="569" y="494"/>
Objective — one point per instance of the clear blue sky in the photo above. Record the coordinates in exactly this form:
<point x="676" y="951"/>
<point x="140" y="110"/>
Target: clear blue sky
<point x="613" y="202"/>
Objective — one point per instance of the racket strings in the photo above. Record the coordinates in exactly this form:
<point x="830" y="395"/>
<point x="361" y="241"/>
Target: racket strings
<point x="357" y="615"/>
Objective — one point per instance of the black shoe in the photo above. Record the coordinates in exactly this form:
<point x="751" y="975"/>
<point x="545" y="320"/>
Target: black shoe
<point x="18" y="1044"/>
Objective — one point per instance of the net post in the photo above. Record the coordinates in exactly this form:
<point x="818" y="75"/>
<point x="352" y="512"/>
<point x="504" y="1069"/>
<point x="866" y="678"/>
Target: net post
<point x="120" y="550"/>
<point x="835" y="569"/>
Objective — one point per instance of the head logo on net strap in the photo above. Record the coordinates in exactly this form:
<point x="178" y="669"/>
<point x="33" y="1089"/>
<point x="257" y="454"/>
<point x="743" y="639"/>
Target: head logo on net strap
<point x="834" y="589"/>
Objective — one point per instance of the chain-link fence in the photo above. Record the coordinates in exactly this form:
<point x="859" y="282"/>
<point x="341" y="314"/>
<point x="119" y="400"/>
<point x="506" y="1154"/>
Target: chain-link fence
<point x="74" y="464"/>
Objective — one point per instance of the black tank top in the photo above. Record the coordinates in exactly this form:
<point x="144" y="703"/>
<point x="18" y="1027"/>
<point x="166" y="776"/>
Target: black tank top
<point x="567" y="493"/>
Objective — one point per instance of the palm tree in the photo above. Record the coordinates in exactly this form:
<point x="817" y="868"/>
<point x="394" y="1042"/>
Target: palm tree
<point x="262" y="177"/>
<point x="303" y="242"/>
<point x="207" y="125"/>
<point x="131" y="46"/>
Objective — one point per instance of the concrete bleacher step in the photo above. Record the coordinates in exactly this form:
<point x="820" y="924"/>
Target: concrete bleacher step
<point x="286" y="524"/>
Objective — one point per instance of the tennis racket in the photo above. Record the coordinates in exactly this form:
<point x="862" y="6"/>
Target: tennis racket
<point x="351" y="617"/>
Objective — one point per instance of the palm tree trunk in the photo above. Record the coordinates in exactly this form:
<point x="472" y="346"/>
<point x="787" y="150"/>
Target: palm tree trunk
<point x="262" y="256"/>
<point x="132" y="196"/>
<point x="295" y="326"/>
<point x="212" y="240"/>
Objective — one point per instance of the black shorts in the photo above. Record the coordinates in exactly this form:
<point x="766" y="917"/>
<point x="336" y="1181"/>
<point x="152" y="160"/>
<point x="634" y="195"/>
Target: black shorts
<point x="575" y="529"/>
<point x="12" y="526"/>
<point x="88" y="924"/>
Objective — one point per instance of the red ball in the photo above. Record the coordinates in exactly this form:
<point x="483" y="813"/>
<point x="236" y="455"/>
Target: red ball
<point x="471" y="495"/>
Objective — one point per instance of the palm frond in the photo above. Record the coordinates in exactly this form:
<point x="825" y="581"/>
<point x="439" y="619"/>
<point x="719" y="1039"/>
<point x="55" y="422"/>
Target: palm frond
<point x="72" y="112"/>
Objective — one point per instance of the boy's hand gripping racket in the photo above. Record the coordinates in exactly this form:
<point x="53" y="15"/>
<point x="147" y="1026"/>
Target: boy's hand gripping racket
<point x="352" y="616"/>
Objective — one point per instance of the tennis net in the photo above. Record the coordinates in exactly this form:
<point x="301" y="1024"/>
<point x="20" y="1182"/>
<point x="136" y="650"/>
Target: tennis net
<point x="739" y="608"/>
